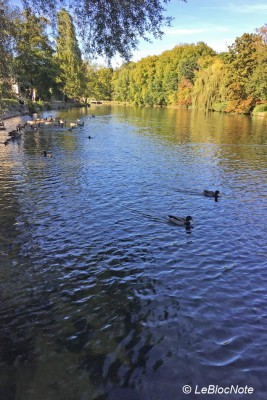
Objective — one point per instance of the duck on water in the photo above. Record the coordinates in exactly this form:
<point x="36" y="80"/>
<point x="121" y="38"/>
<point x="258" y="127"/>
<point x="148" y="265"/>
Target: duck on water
<point x="180" y="221"/>
<point x="210" y="193"/>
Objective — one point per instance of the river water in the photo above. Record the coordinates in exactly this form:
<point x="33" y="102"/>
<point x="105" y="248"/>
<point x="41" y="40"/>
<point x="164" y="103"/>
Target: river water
<point x="100" y="296"/>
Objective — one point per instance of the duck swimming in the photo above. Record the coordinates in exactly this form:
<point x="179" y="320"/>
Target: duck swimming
<point x="210" y="193"/>
<point x="179" y="220"/>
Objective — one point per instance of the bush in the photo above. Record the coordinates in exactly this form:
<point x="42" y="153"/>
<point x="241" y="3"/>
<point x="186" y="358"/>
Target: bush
<point x="220" y="106"/>
<point x="10" y="102"/>
<point x="39" y="105"/>
<point x="260" y="108"/>
<point x="47" y="106"/>
<point x="241" y="106"/>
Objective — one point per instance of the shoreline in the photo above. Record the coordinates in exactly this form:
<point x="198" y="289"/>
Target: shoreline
<point x="24" y="109"/>
<point x="54" y="106"/>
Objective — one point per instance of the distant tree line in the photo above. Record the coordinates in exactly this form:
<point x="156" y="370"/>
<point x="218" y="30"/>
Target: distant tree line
<point x="195" y="75"/>
<point x="189" y="75"/>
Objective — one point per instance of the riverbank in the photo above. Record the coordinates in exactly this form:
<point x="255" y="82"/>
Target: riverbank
<point x="260" y="110"/>
<point x="38" y="107"/>
<point x="15" y="111"/>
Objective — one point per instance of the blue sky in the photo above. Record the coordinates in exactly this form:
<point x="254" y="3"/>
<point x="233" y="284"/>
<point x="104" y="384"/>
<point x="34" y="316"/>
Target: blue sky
<point x="216" y="22"/>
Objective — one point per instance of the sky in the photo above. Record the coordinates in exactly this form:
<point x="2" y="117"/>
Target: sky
<point x="216" y="22"/>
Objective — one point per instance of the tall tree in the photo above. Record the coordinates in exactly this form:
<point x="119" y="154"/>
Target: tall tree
<point x="103" y="83"/>
<point x="242" y="62"/>
<point x="34" y="68"/>
<point x="110" y="26"/>
<point x="7" y="31"/>
<point x="257" y="85"/>
<point x="121" y="83"/>
<point x="69" y="57"/>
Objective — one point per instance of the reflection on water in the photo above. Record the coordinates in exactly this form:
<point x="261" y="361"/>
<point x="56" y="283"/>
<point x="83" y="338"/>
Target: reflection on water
<point x="102" y="298"/>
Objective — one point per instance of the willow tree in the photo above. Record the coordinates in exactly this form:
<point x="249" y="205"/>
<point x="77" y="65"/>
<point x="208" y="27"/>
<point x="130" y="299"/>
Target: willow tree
<point x="210" y="86"/>
<point x="69" y="57"/>
<point x="110" y="27"/>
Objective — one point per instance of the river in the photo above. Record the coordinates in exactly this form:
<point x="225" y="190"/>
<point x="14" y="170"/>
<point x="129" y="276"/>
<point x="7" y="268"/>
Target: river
<point x="101" y="298"/>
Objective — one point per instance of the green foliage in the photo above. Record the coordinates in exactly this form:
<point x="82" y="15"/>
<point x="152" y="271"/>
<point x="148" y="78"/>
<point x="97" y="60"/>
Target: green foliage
<point x="7" y="28"/>
<point x="110" y="26"/>
<point x="121" y="83"/>
<point x="34" y="66"/>
<point x="10" y="102"/>
<point x="68" y="55"/>
<point x="235" y="80"/>
<point x="260" y="108"/>
<point x="243" y="60"/>
<point x="210" y="86"/>
<point x="102" y="85"/>
<point x="189" y="75"/>
<point x="221" y="106"/>
<point x="161" y="80"/>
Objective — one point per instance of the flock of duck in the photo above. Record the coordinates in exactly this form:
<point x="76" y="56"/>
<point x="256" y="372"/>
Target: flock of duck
<point x="34" y="125"/>
<point x="16" y="134"/>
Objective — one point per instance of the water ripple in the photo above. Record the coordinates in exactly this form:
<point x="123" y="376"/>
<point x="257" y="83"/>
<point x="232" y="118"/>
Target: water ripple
<point x="95" y="279"/>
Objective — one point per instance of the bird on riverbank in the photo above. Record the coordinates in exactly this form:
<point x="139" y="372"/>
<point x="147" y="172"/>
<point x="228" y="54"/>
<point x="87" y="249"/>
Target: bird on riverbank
<point x="210" y="193"/>
<point x="47" y="154"/>
<point x="180" y="221"/>
<point x="15" y="134"/>
<point x="7" y="141"/>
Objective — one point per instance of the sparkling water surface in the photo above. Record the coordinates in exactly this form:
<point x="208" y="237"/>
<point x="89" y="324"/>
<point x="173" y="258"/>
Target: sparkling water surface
<point x="100" y="296"/>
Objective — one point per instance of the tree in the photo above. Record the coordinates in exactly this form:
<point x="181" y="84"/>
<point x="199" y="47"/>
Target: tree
<point x="257" y="85"/>
<point x="184" y="97"/>
<point x="7" y="31"/>
<point x="69" y="57"/>
<point x="103" y="83"/>
<point x="242" y="62"/>
<point x="121" y="90"/>
<point x="110" y="26"/>
<point x="34" y="65"/>
<point x="210" y="87"/>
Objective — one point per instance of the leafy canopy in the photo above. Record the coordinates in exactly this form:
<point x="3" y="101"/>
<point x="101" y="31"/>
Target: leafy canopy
<point x="33" y="63"/>
<point x="69" y="57"/>
<point x="109" y="27"/>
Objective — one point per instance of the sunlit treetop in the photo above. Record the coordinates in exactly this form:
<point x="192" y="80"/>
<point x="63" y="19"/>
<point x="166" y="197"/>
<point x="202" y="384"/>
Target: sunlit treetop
<point x="109" y="27"/>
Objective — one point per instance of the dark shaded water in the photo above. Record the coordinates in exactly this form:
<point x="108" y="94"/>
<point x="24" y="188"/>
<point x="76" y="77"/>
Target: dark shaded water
<point x="101" y="297"/>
